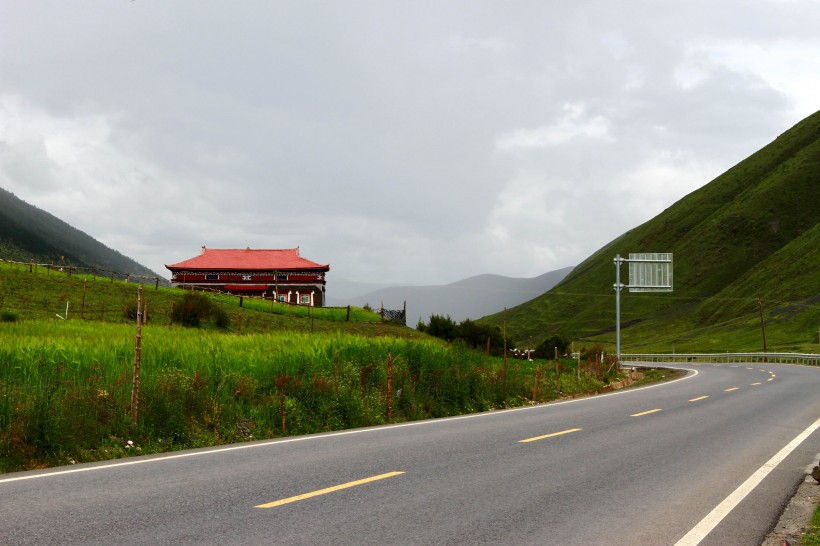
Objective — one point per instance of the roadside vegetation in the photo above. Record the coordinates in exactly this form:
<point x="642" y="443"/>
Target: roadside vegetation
<point x="212" y="372"/>
<point x="812" y="536"/>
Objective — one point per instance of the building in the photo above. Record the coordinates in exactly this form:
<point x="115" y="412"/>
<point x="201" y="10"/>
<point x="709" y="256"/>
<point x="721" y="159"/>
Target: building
<point x="275" y="274"/>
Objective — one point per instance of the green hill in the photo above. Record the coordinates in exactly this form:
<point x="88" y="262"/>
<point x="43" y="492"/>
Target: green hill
<point x="750" y="233"/>
<point x="28" y="233"/>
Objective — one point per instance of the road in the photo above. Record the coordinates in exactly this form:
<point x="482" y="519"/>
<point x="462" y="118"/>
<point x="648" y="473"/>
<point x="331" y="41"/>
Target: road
<point x="639" y="466"/>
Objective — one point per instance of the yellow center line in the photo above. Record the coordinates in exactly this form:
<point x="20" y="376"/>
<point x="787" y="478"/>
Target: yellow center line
<point x="770" y="379"/>
<point x="568" y="431"/>
<point x="698" y="398"/>
<point x="732" y="389"/>
<point x="645" y="412"/>
<point x="328" y="490"/>
<point x="756" y="384"/>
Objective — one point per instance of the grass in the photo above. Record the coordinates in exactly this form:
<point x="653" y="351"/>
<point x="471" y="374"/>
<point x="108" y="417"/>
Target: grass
<point x="65" y="386"/>
<point x="812" y="536"/>
<point x="36" y="292"/>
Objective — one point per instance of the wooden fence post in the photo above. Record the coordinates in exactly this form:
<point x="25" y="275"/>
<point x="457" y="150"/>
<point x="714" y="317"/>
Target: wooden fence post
<point x="389" y="387"/>
<point x="82" y="305"/>
<point x="536" y="381"/>
<point x="135" y="387"/>
<point x="348" y="314"/>
<point x="505" y="356"/>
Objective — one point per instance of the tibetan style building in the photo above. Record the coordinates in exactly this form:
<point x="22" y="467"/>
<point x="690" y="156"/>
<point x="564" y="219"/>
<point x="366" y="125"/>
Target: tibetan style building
<point x="279" y="274"/>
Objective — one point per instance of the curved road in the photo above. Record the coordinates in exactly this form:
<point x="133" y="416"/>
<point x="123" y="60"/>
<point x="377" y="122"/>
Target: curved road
<point x="640" y="466"/>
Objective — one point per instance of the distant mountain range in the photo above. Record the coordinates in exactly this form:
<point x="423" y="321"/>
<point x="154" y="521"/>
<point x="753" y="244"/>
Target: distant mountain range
<point x="749" y="238"/>
<point x="28" y="233"/>
<point x="471" y="298"/>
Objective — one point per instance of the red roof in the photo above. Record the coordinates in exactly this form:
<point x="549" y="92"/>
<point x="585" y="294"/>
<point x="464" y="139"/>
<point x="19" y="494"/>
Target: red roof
<point x="213" y="259"/>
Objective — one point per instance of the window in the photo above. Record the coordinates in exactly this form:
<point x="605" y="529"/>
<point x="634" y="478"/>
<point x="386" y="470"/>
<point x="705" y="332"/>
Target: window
<point x="305" y="298"/>
<point x="282" y="297"/>
<point x="211" y="277"/>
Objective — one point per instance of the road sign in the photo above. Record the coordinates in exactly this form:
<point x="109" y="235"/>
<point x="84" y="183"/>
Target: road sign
<point x="650" y="272"/>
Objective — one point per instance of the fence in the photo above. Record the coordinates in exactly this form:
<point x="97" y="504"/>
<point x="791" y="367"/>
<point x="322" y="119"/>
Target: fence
<point x="748" y="358"/>
<point x="95" y="272"/>
<point x="394" y="315"/>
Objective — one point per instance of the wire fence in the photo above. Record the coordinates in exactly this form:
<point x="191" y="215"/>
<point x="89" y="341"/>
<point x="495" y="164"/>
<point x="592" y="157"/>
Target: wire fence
<point x="94" y="272"/>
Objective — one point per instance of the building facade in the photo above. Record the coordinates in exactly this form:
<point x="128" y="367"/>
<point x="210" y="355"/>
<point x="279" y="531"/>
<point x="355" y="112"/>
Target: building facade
<point x="282" y="275"/>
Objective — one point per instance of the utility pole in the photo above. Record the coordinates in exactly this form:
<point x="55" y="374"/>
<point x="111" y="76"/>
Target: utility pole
<point x="762" y="325"/>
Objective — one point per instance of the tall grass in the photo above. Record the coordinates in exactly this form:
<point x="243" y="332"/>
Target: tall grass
<point x="65" y="387"/>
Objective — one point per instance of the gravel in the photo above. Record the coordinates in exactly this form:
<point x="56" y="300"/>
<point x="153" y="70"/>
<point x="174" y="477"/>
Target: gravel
<point x="796" y="518"/>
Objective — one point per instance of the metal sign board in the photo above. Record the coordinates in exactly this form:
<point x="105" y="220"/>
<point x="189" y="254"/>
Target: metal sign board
<point x="650" y="272"/>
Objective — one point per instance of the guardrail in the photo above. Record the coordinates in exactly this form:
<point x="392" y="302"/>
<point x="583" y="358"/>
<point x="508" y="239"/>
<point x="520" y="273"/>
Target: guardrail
<point x="769" y="358"/>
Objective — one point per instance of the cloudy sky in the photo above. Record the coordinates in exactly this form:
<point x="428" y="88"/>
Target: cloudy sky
<point x="408" y="142"/>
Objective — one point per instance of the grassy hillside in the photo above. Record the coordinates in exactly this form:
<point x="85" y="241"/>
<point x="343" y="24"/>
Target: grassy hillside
<point x="752" y="232"/>
<point x="28" y="233"/>
<point x="37" y="293"/>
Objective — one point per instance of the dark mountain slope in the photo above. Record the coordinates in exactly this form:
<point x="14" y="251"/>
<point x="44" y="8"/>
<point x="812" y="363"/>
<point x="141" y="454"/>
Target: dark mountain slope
<point x="27" y="233"/>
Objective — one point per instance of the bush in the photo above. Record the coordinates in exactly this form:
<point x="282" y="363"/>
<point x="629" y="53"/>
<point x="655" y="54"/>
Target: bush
<point x="191" y="309"/>
<point x="547" y="347"/>
<point x="9" y="316"/>
<point x="221" y="319"/>
<point x="129" y="312"/>
<point x="471" y="333"/>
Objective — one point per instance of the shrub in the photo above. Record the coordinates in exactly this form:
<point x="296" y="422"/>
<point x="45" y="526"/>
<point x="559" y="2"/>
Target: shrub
<point x="9" y="316"/>
<point x="191" y="309"/>
<point x="129" y="312"/>
<point x="221" y="319"/>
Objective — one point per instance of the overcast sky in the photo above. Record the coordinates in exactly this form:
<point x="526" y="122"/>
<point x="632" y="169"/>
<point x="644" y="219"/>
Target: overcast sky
<point x="413" y="142"/>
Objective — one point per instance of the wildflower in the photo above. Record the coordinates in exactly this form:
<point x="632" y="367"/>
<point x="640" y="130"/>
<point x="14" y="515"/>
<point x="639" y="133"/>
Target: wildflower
<point x="129" y="444"/>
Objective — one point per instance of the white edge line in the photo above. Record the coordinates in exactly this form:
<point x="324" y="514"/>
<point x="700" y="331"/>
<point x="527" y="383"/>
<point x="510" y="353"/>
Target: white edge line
<point x="713" y="518"/>
<point x="163" y="457"/>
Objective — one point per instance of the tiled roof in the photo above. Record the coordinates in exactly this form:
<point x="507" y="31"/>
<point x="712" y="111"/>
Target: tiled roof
<point x="248" y="259"/>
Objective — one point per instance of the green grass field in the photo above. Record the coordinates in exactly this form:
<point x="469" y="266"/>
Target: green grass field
<point x="66" y="383"/>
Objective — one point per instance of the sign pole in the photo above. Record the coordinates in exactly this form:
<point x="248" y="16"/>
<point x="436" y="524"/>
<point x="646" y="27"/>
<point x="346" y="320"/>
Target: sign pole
<point x="652" y="274"/>
<point x="618" y="307"/>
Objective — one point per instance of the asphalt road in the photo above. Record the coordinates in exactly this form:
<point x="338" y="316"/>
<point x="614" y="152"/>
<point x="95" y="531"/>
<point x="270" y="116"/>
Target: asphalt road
<point x="640" y="466"/>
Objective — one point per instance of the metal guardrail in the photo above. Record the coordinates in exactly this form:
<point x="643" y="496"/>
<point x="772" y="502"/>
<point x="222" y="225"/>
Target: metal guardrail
<point x="768" y="358"/>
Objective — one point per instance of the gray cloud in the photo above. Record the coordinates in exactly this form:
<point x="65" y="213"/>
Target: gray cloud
<point x="410" y="142"/>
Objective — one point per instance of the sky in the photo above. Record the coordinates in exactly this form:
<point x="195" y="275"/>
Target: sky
<point x="400" y="142"/>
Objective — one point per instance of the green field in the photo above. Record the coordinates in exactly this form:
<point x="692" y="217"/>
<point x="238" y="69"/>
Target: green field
<point x="66" y="384"/>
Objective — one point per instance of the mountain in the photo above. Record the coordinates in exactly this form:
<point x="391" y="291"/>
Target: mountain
<point x="344" y="289"/>
<point x="28" y="233"/>
<point x="469" y="298"/>
<point x="746" y="240"/>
